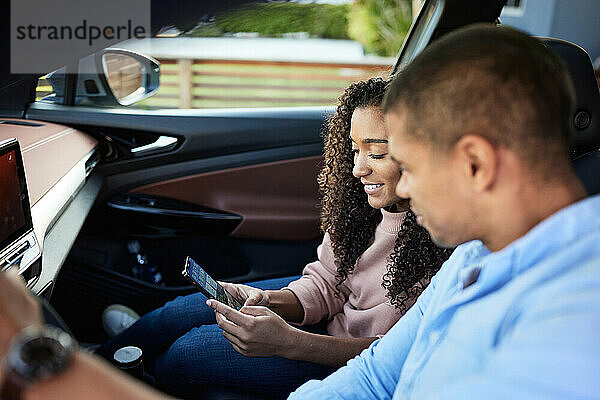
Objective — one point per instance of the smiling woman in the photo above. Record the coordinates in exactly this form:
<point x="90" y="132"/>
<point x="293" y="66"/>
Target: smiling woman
<point x="349" y="216"/>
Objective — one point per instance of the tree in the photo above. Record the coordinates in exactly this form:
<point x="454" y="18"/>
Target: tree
<point x="380" y="25"/>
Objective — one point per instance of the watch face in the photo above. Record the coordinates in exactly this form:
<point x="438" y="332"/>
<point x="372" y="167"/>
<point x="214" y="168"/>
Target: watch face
<point x="40" y="353"/>
<point x="43" y="357"/>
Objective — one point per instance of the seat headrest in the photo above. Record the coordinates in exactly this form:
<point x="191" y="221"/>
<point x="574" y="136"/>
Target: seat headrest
<point x="586" y="120"/>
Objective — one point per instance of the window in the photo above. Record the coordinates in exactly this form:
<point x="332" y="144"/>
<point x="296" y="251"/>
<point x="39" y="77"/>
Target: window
<point x="514" y="8"/>
<point x="271" y="54"/>
<point x="44" y="88"/>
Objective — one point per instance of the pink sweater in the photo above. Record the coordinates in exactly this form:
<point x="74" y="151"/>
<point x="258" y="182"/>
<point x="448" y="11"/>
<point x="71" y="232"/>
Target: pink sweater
<point x="361" y="309"/>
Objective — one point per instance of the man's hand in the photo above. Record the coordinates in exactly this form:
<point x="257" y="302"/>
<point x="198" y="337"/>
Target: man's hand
<point x="254" y="331"/>
<point x="248" y="295"/>
<point x="18" y="308"/>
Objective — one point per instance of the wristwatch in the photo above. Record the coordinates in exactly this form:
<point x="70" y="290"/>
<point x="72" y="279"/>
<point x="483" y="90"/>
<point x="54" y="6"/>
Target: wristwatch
<point x="36" y="354"/>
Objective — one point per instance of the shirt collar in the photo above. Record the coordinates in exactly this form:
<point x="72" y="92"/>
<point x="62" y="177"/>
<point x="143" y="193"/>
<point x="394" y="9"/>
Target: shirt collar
<point x="558" y="230"/>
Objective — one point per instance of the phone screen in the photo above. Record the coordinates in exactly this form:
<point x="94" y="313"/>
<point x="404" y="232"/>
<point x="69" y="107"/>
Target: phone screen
<point x="207" y="285"/>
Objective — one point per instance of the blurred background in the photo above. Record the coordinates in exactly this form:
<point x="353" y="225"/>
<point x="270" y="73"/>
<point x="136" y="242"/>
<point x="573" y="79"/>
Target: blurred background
<point x="275" y="53"/>
<point x="303" y="52"/>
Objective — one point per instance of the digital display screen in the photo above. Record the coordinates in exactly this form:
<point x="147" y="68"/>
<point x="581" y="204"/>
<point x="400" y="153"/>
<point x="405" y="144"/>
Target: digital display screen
<point x="11" y="204"/>
<point x="15" y="215"/>
<point x="203" y="278"/>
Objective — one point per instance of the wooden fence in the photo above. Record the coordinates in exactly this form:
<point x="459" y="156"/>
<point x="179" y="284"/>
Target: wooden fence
<point x="247" y="83"/>
<point x="197" y="83"/>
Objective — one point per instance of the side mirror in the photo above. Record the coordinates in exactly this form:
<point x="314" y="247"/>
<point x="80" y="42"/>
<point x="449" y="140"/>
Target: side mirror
<point x="111" y="77"/>
<point x="130" y="76"/>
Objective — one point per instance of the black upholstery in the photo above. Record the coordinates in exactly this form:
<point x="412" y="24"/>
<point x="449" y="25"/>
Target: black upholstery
<point x="51" y="317"/>
<point x="584" y="149"/>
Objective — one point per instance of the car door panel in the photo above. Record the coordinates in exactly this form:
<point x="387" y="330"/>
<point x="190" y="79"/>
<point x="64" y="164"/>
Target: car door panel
<point x="206" y="132"/>
<point x="124" y="176"/>
<point x="276" y="200"/>
<point x="213" y="141"/>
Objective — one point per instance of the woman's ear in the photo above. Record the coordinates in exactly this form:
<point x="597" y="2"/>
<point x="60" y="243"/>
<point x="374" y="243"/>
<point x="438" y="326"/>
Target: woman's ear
<point x="478" y="160"/>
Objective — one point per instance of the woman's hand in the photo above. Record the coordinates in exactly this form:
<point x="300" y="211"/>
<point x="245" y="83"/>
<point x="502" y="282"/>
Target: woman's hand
<point x="255" y="331"/>
<point x="248" y="295"/>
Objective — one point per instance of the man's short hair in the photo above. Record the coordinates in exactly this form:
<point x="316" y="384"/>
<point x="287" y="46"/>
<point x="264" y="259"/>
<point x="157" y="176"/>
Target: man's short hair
<point x="495" y="82"/>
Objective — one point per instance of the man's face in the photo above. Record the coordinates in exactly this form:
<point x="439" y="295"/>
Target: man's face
<point x="431" y="182"/>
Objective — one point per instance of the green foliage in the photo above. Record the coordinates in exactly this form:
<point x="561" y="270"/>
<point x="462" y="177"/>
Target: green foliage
<point x="380" y="25"/>
<point x="331" y="21"/>
<point x="206" y="30"/>
<point x="275" y="19"/>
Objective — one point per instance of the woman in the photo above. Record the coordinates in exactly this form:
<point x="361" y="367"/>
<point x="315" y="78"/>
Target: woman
<point x="365" y="225"/>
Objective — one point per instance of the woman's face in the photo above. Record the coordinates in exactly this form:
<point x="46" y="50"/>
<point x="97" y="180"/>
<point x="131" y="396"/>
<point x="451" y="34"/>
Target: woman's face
<point x="376" y="171"/>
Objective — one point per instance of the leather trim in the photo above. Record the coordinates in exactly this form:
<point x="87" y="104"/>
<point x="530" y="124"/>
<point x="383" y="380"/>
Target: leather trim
<point x="49" y="152"/>
<point x="277" y="200"/>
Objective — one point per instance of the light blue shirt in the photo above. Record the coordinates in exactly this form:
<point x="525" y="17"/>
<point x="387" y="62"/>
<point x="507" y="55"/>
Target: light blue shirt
<point x="528" y="328"/>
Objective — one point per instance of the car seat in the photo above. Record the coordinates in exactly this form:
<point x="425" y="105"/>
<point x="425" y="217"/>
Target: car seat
<point x="584" y="149"/>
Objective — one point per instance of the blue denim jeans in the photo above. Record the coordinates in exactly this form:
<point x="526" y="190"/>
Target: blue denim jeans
<point x="184" y="350"/>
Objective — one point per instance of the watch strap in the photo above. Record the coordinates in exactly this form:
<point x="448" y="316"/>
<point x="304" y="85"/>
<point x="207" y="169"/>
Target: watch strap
<point x="12" y="387"/>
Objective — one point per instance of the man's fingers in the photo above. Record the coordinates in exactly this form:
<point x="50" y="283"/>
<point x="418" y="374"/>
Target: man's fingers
<point x="12" y="283"/>
<point x="15" y="272"/>
<point x="11" y="278"/>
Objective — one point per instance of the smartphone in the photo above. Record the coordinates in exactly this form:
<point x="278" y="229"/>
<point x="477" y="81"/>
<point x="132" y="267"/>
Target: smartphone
<point x="207" y="285"/>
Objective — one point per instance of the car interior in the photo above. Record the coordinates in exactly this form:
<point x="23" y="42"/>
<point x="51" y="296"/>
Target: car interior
<point x="119" y="197"/>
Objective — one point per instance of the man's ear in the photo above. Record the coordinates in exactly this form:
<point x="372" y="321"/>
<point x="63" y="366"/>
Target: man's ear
<point x="478" y="160"/>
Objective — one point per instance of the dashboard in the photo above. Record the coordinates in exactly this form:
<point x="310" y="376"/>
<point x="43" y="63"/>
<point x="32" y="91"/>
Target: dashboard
<point x="58" y="164"/>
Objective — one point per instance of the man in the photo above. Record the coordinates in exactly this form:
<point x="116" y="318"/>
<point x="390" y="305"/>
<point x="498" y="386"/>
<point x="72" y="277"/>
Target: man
<point x="479" y="125"/>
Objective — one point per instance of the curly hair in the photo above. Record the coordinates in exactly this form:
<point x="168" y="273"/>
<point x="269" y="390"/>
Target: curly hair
<point x="349" y="219"/>
<point x="412" y="264"/>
